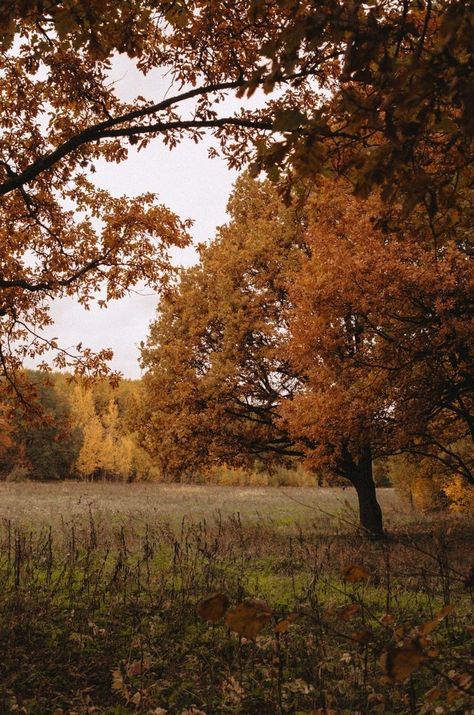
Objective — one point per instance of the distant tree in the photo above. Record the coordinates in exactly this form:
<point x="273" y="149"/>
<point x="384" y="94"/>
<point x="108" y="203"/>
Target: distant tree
<point x="117" y="448"/>
<point x="108" y="446"/>
<point x="216" y="370"/>
<point x="46" y="446"/>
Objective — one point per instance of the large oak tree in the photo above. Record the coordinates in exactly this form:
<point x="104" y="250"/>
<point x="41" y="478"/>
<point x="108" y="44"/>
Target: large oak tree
<point x="311" y="332"/>
<point x="216" y="365"/>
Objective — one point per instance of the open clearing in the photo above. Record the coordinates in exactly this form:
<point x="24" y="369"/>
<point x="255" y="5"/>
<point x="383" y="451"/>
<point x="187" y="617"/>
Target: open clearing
<point x="39" y="504"/>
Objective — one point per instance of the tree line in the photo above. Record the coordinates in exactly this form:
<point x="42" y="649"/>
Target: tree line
<point x="77" y="431"/>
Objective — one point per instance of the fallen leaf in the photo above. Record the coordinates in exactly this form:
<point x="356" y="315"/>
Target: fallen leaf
<point x="445" y="611"/>
<point x="213" y="609"/>
<point x="248" y="618"/>
<point x="427" y="628"/>
<point x="348" y="612"/>
<point x="433" y="694"/>
<point x="137" y="698"/>
<point x="399" y="663"/>
<point x="138" y="667"/>
<point x="283" y="625"/>
<point x="361" y="637"/>
<point x="355" y="573"/>
<point x="117" y="679"/>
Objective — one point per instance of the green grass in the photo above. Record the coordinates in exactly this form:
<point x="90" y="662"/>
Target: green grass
<point x="99" y="586"/>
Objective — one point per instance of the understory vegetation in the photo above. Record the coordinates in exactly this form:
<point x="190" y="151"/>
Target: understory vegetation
<point x="230" y="614"/>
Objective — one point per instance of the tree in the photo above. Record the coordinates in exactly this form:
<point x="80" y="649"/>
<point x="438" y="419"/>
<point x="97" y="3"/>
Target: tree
<point x="216" y="368"/>
<point x="379" y="91"/>
<point x="381" y="328"/>
<point x="45" y="448"/>
<point x="315" y="334"/>
<point x="385" y="318"/>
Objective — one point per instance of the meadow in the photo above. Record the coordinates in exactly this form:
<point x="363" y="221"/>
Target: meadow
<point x="182" y="599"/>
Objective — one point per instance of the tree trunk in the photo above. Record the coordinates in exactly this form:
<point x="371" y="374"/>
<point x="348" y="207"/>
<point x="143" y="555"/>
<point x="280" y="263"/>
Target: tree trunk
<point x="359" y="472"/>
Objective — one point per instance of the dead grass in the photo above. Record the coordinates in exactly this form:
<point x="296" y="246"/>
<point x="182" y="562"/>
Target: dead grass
<point x="38" y="504"/>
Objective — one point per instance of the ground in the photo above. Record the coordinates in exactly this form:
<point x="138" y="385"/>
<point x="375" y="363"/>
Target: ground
<point x="40" y="503"/>
<point x="101" y="586"/>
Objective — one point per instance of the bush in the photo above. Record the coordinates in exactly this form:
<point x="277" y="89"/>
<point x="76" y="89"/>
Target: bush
<point x="19" y="473"/>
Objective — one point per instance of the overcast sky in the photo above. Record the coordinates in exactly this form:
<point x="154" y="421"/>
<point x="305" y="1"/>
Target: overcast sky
<point x="189" y="183"/>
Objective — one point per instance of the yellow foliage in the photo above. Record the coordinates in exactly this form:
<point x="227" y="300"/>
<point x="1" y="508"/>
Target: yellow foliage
<point x="460" y="494"/>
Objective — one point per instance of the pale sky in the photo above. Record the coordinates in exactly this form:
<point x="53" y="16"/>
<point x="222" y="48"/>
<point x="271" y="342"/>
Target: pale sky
<point x="186" y="181"/>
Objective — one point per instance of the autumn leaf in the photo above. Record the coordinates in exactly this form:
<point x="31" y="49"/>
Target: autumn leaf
<point x="248" y="618"/>
<point x="283" y="625"/>
<point x="361" y="637"/>
<point x="430" y="626"/>
<point x="118" y="683"/>
<point x="399" y="663"/>
<point x="287" y="120"/>
<point x="445" y="611"/>
<point x="212" y="609"/>
<point x="355" y="573"/>
<point x="117" y="679"/>
<point x="138" y="667"/>
<point x="348" y="612"/>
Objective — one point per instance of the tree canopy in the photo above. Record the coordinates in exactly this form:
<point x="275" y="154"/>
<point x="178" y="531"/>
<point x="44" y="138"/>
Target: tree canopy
<point x="376" y="91"/>
<point x="338" y="326"/>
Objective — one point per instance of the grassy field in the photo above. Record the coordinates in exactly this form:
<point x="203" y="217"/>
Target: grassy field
<point x="101" y="586"/>
<point x="37" y="504"/>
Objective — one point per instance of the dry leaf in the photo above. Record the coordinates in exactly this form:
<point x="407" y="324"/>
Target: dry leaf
<point x="213" y="609"/>
<point x="347" y="612"/>
<point x="137" y="698"/>
<point x="117" y="679"/>
<point x="399" y="663"/>
<point x="355" y="573"/>
<point x="248" y="618"/>
<point x="453" y="694"/>
<point x="388" y="619"/>
<point x="361" y="637"/>
<point x="428" y="627"/>
<point x="433" y="694"/>
<point x="445" y="611"/>
<point x="138" y="667"/>
<point x="465" y="680"/>
<point x="283" y="625"/>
